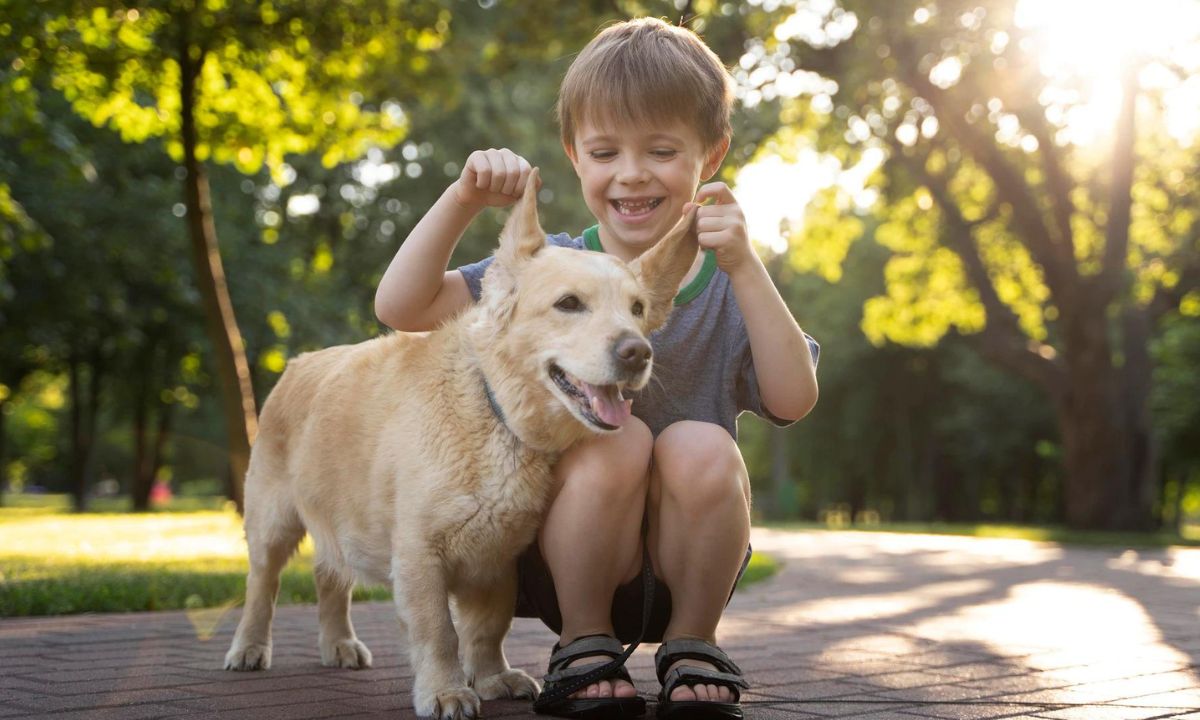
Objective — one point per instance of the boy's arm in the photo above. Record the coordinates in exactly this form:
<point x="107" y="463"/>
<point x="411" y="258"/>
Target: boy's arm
<point x="416" y="292"/>
<point x="783" y="363"/>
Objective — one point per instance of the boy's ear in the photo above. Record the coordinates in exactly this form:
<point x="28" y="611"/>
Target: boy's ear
<point x="522" y="235"/>
<point x="661" y="268"/>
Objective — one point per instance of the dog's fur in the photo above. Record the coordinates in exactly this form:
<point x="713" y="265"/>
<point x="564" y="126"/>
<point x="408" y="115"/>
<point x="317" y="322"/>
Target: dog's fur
<point x="389" y="454"/>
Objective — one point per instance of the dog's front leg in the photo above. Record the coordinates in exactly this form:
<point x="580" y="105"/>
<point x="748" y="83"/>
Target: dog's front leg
<point x="422" y="602"/>
<point x="485" y="612"/>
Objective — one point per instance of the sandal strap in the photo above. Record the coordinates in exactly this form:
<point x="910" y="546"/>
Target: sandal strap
<point x="550" y="698"/>
<point x="691" y="675"/>
<point x="574" y="671"/>
<point x="586" y="646"/>
<point x="672" y="651"/>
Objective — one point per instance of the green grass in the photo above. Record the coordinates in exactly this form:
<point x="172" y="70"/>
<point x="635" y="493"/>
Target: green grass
<point x="1065" y="536"/>
<point x="53" y="562"/>
<point x="760" y="568"/>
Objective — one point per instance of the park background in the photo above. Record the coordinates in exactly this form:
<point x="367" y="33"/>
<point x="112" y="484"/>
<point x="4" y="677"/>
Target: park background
<point x="987" y="212"/>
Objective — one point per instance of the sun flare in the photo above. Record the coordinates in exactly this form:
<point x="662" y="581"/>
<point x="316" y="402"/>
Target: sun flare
<point x="1084" y="46"/>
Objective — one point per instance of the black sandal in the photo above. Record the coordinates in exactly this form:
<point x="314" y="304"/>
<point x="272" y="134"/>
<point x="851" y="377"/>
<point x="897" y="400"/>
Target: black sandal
<point x="561" y="675"/>
<point x="727" y="675"/>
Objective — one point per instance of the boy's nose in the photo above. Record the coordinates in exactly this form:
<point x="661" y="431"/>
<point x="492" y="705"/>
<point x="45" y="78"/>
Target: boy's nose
<point x="632" y="173"/>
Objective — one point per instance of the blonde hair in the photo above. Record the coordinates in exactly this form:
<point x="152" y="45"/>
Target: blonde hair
<point x="647" y="71"/>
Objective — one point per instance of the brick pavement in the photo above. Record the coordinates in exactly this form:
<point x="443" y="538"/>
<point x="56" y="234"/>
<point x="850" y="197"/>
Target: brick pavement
<point x="855" y="625"/>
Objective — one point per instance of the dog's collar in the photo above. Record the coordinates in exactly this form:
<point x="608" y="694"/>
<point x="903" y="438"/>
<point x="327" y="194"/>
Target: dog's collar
<point x="491" y="398"/>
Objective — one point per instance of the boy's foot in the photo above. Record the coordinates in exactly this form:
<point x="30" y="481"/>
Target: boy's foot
<point x="616" y="687"/>
<point x="613" y="688"/>
<point x="705" y="693"/>
<point x="699" y="681"/>
<point x="612" y="696"/>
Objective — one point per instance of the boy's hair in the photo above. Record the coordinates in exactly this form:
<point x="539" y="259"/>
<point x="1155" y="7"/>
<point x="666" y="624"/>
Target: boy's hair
<point x="646" y="71"/>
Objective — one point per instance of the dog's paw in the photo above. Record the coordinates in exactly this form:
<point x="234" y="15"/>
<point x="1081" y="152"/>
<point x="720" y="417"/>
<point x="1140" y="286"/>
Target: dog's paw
<point x="508" y="684"/>
<point x="253" y="656"/>
<point x="346" y="653"/>
<point x="450" y="703"/>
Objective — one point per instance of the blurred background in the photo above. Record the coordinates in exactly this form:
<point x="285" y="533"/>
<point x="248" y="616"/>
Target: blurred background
<point x="987" y="212"/>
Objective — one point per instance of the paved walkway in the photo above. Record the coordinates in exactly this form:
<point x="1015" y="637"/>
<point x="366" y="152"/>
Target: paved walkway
<point x="855" y="625"/>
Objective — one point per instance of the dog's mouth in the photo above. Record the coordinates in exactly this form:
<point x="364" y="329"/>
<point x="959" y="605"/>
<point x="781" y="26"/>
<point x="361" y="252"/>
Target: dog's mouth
<point x="601" y="406"/>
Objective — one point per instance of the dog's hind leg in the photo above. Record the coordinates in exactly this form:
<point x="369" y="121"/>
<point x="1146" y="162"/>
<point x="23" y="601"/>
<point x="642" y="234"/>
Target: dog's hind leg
<point x="273" y="531"/>
<point x="340" y="647"/>
<point x="485" y="614"/>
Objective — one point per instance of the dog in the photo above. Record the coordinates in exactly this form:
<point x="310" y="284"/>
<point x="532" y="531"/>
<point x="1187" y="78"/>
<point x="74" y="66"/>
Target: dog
<point x="425" y="459"/>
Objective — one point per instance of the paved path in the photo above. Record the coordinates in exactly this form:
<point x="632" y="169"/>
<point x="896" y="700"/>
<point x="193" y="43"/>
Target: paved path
<point x="856" y="625"/>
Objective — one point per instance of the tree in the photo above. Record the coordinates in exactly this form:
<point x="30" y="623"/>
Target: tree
<point x="244" y="83"/>
<point x="1057" y="262"/>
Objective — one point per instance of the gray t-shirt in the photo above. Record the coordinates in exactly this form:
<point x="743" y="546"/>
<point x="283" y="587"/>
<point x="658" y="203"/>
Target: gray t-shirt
<point x="702" y="364"/>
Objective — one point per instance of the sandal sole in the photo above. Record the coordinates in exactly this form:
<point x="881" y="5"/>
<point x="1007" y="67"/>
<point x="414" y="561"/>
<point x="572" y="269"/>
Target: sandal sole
<point x="598" y="708"/>
<point x="698" y="710"/>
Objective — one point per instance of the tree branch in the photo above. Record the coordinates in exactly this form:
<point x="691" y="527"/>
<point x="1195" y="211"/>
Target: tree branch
<point x="1002" y="338"/>
<point x="1116" y="235"/>
<point x="1057" y="260"/>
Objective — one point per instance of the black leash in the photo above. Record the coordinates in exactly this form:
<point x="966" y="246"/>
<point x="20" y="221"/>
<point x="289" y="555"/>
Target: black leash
<point x="606" y="670"/>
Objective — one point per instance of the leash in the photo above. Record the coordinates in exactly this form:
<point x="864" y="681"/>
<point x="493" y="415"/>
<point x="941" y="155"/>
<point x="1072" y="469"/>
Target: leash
<point x="605" y="670"/>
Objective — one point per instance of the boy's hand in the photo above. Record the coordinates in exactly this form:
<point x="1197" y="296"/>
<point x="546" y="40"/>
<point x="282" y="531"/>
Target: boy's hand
<point x="721" y="226"/>
<point x="491" y="178"/>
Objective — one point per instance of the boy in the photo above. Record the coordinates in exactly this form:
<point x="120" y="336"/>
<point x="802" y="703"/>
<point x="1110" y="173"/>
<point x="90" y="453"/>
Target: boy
<point x="644" y="111"/>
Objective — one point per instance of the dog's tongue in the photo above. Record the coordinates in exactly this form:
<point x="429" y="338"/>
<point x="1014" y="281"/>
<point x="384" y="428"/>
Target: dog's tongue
<point x="608" y="404"/>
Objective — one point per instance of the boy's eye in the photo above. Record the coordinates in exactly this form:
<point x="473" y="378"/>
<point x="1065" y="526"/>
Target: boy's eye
<point x="664" y="153"/>
<point x="569" y="303"/>
<point x="637" y="309"/>
<point x="602" y="155"/>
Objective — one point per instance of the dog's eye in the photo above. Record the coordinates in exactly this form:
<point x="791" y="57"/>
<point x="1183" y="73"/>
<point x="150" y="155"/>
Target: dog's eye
<point x="637" y="309"/>
<point x="569" y="303"/>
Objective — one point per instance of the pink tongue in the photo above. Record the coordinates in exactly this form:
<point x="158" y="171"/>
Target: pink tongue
<point x="606" y="405"/>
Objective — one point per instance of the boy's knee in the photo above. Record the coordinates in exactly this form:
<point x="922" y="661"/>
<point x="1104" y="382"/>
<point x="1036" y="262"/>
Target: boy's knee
<point x="699" y="464"/>
<point x="611" y="462"/>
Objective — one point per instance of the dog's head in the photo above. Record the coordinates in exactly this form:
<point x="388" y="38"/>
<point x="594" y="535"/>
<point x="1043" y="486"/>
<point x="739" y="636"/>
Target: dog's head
<point x="562" y="333"/>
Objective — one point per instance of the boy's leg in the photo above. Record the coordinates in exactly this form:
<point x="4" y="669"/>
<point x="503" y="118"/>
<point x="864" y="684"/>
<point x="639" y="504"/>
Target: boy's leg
<point x="591" y="537"/>
<point x="699" y="530"/>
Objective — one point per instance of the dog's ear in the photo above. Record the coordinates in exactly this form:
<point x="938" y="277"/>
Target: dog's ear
<point x="522" y="235"/>
<point x="521" y="239"/>
<point x="661" y="268"/>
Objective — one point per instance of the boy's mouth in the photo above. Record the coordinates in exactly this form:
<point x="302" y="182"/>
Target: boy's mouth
<point x="635" y="207"/>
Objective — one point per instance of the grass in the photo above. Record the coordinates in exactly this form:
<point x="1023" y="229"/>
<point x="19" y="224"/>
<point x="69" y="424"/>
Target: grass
<point x="53" y="562"/>
<point x="1190" y="536"/>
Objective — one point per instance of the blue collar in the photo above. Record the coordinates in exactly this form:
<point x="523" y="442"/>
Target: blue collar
<point x="491" y="398"/>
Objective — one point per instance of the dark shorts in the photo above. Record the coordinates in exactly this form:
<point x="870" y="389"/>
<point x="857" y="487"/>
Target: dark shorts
<point x="536" y="598"/>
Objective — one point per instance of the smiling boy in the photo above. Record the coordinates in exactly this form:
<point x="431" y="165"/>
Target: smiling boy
<point x="644" y="112"/>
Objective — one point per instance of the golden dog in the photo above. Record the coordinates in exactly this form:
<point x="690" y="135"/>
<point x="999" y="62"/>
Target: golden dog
<point x="424" y="459"/>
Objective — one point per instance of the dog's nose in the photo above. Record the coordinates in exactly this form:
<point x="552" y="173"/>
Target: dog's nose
<point x="632" y="353"/>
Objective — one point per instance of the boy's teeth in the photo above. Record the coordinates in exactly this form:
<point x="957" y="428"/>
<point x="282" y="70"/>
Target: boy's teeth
<point x="627" y="207"/>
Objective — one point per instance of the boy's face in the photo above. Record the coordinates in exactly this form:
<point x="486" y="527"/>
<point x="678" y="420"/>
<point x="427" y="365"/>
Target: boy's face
<point x="636" y="180"/>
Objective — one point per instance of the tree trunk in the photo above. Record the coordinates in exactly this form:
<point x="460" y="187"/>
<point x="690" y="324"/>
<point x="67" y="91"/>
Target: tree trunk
<point x="1103" y="418"/>
<point x="233" y="371"/>
<point x="165" y="412"/>
<point x="150" y="451"/>
<point x="139" y="489"/>
<point x="83" y="427"/>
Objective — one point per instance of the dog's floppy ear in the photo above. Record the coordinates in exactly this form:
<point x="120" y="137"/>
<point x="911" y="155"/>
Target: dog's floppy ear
<point x="661" y="268"/>
<point x="522" y="235"/>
